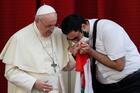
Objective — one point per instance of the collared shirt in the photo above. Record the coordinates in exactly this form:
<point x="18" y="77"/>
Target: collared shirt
<point x="113" y="41"/>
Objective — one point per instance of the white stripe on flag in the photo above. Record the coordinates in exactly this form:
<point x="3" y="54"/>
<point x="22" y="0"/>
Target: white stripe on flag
<point x="77" y="83"/>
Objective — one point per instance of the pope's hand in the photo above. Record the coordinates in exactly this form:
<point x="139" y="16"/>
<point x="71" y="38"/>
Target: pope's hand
<point x="74" y="49"/>
<point x="43" y="86"/>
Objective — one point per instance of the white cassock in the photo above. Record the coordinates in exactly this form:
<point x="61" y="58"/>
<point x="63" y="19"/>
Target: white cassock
<point x="28" y="57"/>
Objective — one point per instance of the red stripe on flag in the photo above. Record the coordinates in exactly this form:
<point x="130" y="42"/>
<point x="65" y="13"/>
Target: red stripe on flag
<point x="81" y="60"/>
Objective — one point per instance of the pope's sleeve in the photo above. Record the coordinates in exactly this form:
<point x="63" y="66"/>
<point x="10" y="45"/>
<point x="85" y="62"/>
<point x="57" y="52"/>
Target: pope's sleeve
<point x="71" y="61"/>
<point x="8" y="52"/>
<point x="19" y="77"/>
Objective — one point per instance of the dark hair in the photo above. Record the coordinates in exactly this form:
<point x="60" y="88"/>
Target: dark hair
<point x="72" y="23"/>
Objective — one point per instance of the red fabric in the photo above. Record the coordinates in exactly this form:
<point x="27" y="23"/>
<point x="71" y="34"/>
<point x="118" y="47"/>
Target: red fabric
<point x="80" y="62"/>
<point x="15" y="14"/>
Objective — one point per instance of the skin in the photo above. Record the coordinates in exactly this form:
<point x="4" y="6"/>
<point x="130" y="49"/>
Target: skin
<point x="46" y="24"/>
<point x="75" y="36"/>
<point x="41" y="85"/>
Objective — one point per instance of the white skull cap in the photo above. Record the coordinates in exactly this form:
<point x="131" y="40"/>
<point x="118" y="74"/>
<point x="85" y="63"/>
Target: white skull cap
<point x="45" y="9"/>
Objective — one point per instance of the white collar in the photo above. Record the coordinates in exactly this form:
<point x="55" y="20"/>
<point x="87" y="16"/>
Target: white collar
<point x="36" y="29"/>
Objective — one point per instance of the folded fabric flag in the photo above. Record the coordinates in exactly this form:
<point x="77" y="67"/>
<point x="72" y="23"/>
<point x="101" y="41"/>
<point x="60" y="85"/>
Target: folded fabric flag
<point x="83" y="82"/>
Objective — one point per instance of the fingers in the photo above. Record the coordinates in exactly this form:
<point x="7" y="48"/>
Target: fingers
<point x="82" y="47"/>
<point x="83" y="44"/>
<point x="85" y="49"/>
<point x="43" y="86"/>
<point x="74" y="49"/>
<point x="47" y="87"/>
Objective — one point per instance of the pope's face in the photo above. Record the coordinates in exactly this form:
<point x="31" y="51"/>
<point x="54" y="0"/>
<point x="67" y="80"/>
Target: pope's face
<point x="47" y="24"/>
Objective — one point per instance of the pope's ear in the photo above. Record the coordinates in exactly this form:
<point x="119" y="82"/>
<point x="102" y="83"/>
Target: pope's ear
<point x="36" y="19"/>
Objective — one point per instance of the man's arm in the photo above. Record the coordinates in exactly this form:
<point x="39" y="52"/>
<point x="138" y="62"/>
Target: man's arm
<point x="117" y="64"/>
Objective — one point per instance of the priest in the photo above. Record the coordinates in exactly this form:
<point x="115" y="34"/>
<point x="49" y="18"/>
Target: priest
<point x="35" y="56"/>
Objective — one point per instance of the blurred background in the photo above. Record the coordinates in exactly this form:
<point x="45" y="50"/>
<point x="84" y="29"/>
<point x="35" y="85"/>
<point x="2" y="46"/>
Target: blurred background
<point x="15" y="14"/>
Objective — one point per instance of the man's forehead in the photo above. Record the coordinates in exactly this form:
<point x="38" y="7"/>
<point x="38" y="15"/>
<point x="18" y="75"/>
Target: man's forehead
<point x="72" y="34"/>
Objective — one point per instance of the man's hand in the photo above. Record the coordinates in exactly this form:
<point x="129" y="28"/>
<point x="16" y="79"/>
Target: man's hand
<point x="85" y="49"/>
<point x="43" y="86"/>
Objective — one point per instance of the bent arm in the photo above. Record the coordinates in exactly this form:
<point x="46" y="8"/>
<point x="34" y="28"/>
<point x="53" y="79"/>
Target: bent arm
<point x="113" y="42"/>
<point x="117" y="64"/>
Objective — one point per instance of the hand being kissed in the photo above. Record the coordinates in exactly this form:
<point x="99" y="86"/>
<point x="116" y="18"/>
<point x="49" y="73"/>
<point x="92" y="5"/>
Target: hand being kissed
<point x="82" y="47"/>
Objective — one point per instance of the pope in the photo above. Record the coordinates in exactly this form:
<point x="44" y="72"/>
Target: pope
<point x="35" y="56"/>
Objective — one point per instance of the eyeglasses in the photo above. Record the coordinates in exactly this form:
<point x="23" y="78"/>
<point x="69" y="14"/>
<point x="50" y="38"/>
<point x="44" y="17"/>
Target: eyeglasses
<point x="74" y="39"/>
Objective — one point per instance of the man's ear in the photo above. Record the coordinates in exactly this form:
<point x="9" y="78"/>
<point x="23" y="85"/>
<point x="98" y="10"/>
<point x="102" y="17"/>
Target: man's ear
<point x="83" y="27"/>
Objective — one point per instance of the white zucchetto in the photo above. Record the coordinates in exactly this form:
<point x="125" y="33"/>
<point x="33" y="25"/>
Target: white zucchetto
<point x="45" y="9"/>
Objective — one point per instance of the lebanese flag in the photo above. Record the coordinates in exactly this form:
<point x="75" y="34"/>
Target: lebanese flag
<point x="83" y="82"/>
